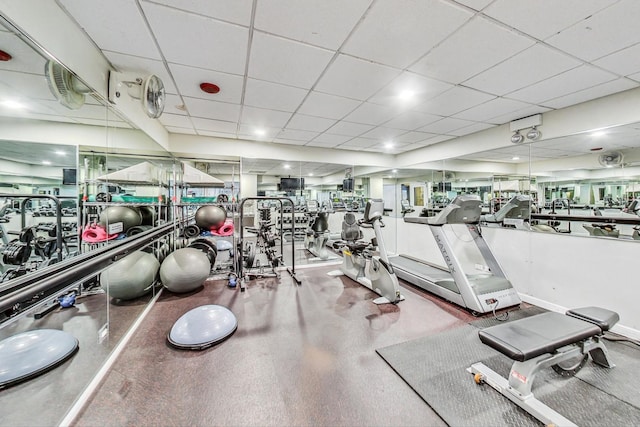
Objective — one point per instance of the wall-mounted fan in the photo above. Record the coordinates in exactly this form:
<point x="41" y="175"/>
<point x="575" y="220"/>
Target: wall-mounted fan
<point x="611" y="159"/>
<point x="66" y="87"/>
<point x="149" y="90"/>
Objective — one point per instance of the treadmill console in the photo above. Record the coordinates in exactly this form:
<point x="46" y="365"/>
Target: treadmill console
<point x="464" y="209"/>
<point x="312" y="206"/>
<point x="374" y="209"/>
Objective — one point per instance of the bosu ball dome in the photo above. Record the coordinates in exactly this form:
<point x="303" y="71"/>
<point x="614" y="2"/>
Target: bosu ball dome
<point x="202" y="327"/>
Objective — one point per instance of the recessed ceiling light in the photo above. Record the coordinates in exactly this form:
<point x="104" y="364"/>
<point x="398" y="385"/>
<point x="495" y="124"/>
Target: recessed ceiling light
<point x="406" y="95"/>
<point x="13" y="105"/>
<point x="310" y="174"/>
<point x="260" y="132"/>
<point x="388" y="145"/>
<point x="61" y="153"/>
<point x="515" y="158"/>
<point x="599" y="133"/>
<point x="46" y="162"/>
<point x="395" y="171"/>
<point x="287" y="166"/>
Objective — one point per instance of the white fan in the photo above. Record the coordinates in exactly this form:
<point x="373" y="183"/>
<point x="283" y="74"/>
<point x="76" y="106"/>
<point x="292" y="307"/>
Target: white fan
<point x="150" y="90"/>
<point x="611" y="159"/>
<point x="66" y="87"/>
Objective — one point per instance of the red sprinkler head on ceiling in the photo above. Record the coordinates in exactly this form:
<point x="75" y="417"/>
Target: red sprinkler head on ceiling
<point x="209" y="87"/>
<point x="4" y="56"/>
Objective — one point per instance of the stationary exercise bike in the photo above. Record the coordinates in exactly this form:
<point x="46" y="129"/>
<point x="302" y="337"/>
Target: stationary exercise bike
<point x="358" y="263"/>
<point x="317" y="234"/>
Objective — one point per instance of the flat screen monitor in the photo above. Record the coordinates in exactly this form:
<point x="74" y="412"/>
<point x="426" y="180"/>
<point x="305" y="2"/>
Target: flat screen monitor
<point x="288" y="184"/>
<point x="69" y="177"/>
<point x="347" y="185"/>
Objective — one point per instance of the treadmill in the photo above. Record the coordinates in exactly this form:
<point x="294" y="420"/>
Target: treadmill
<point x="515" y="213"/>
<point x="480" y="293"/>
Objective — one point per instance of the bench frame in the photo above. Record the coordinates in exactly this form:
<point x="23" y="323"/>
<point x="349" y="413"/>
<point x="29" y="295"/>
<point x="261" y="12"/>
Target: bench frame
<point x="518" y="387"/>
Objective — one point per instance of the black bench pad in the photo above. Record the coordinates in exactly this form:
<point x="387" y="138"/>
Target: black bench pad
<point x="530" y="337"/>
<point x="602" y="317"/>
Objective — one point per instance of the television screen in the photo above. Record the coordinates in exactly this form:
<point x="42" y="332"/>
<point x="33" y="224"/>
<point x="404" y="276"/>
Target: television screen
<point x="288" y="184"/>
<point x="69" y="177"/>
<point x="444" y="186"/>
<point x="347" y="185"/>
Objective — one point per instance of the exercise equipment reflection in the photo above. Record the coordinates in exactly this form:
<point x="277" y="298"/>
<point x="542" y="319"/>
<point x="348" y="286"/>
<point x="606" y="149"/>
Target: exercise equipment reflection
<point x="131" y="276"/>
<point x="317" y="234"/>
<point x="373" y="271"/>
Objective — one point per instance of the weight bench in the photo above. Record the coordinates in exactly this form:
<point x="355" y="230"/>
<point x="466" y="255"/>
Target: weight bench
<point x="563" y="342"/>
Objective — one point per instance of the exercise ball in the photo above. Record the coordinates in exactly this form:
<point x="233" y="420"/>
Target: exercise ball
<point x="129" y="217"/>
<point x="148" y="214"/>
<point x="130" y="277"/>
<point x="210" y="216"/>
<point x="184" y="270"/>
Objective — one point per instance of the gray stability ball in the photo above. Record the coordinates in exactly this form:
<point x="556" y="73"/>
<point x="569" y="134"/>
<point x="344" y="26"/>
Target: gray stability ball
<point x="129" y="217"/>
<point x="130" y="277"/>
<point x="210" y="216"/>
<point x="184" y="270"/>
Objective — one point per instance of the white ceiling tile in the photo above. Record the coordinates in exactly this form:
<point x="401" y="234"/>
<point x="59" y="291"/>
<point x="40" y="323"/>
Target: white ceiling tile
<point x="446" y="125"/>
<point x="249" y="132"/>
<point x="286" y="61"/>
<point x="383" y="133"/>
<point x="421" y="89"/>
<point x="261" y="117"/>
<point x="635" y="77"/>
<point x="623" y="62"/>
<point x="528" y="67"/>
<point x="324" y="23"/>
<point x="175" y="120"/>
<point x="273" y="96"/>
<point x="237" y="11"/>
<point x="490" y="109"/>
<point x="23" y="57"/>
<point x="568" y="82"/>
<point x="214" y="125"/>
<point x="212" y="109"/>
<point x="410" y="120"/>
<point x="453" y="101"/>
<point x="349" y="129"/>
<point x="328" y="106"/>
<point x="185" y="131"/>
<point x="196" y="41"/>
<point x="360" y="143"/>
<point x="602" y="33"/>
<point x="475" y="4"/>
<point x="398" y="33"/>
<point x="543" y="18"/>
<point x="217" y="134"/>
<point x="297" y="135"/>
<point x="467" y="130"/>
<point x="478" y="45"/>
<point x="355" y="78"/>
<point x="171" y="104"/>
<point x="329" y="140"/>
<point x="309" y="123"/>
<point x="440" y="138"/>
<point x="372" y="114"/>
<point x="22" y="85"/>
<point x="188" y="80"/>
<point x="115" y="25"/>
<point x="604" y="89"/>
<point x="289" y="141"/>
<point x="150" y="66"/>
<point x="413" y="137"/>
<point x="518" y="114"/>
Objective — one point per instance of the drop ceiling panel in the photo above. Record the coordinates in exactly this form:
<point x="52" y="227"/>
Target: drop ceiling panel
<point x="171" y="104"/>
<point x="446" y="125"/>
<point x="273" y="96"/>
<point x="490" y="109"/>
<point x="411" y="120"/>
<point x="408" y="90"/>
<point x="478" y="45"/>
<point x="592" y="93"/>
<point x="115" y="25"/>
<point x="324" y="23"/>
<point x="175" y="120"/>
<point x="413" y="137"/>
<point x="388" y="31"/>
<point x="328" y="106"/>
<point x="249" y="131"/>
<point x="214" y="125"/>
<point x="359" y="143"/>
<point x="372" y="114"/>
<point x="623" y="62"/>
<point x="566" y="83"/>
<point x="22" y="85"/>
<point x="349" y="129"/>
<point x="124" y="62"/>
<point x="188" y="81"/>
<point x="605" y="32"/>
<point x="237" y="11"/>
<point x="528" y="67"/>
<point x="309" y="123"/>
<point x="23" y="58"/>
<point x="355" y="78"/>
<point x="329" y="140"/>
<point x="289" y="141"/>
<point x="544" y="18"/>
<point x="212" y="109"/>
<point x="467" y="130"/>
<point x="453" y="101"/>
<point x="285" y="61"/>
<point x="383" y="133"/>
<point x="198" y="41"/>
<point x="261" y="117"/>
<point x="297" y="135"/>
